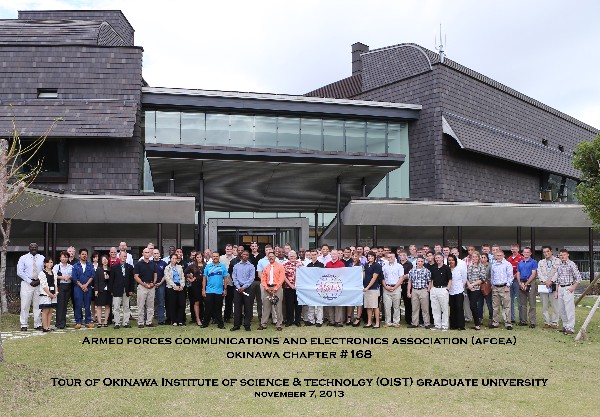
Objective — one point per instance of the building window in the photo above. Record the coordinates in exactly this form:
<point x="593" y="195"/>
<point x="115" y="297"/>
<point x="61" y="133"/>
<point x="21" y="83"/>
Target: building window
<point x="558" y="189"/>
<point x="54" y="158"/>
<point x="47" y="93"/>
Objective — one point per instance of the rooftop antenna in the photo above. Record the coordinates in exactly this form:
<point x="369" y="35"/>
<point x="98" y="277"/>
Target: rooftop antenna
<point x="441" y="46"/>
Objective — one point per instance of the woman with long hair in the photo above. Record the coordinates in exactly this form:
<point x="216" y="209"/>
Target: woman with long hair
<point x="101" y="293"/>
<point x="456" y="294"/>
<point x="476" y="274"/>
<point x="175" y="282"/>
<point x="193" y="276"/>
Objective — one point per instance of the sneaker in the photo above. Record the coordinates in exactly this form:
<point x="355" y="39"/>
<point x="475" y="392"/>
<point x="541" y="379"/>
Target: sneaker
<point x="78" y="326"/>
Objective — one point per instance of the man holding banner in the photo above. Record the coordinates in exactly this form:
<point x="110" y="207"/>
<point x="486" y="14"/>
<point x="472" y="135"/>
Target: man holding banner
<point x="334" y="287"/>
<point x="338" y="311"/>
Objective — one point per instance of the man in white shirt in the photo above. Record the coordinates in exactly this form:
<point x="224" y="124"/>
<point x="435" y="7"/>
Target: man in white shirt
<point x="325" y="256"/>
<point x="28" y="269"/>
<point x="393" y="274"/>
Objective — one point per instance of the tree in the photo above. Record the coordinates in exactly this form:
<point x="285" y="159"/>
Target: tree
<point x="19" y="167"/>
<point x="586" y="159"/>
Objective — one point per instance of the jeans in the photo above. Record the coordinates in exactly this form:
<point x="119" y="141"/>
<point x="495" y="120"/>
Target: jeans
<point x="476" y="304"/>
<point x="160" y="301"/>
<point x="514" y="293"/>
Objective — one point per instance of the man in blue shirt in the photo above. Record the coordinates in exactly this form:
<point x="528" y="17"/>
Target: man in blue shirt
<point x="213" y="290"/>
<point x="83" y="276"/>
<point x="160" y="285"/>
<point x="526" y="276"/>
<point x="243" y="298"/>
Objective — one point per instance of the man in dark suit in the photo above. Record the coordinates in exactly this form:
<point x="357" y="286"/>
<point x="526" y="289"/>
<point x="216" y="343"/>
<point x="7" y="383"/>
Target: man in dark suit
<point x="121" y="286"/>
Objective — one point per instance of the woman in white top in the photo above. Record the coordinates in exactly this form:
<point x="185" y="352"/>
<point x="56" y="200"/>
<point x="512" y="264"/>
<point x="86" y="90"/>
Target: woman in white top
<point x="457" y="296"/>
<point x="48" y="293"/>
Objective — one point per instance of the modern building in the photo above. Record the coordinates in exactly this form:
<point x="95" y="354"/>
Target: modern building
<point x="411" y="148"/>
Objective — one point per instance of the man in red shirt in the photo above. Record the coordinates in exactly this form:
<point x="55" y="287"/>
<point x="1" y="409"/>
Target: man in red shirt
<point x="514" y="260"/>
<point x="338" y="314"/>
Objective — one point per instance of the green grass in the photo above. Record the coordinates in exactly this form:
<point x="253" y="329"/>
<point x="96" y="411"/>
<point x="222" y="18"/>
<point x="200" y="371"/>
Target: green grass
<point x="25" y="377"/>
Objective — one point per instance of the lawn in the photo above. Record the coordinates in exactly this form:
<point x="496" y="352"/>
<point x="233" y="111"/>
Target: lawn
<point x="569" y="367"/>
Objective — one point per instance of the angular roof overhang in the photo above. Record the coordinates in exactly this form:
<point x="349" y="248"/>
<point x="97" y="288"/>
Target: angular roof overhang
<point x="46" y="206"/>
<point x="267" y="180"/>
<point x="445" y="213"/>
<point x="479" y="137"/>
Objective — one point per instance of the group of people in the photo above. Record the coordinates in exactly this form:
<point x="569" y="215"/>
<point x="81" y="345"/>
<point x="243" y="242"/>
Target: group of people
<point x="438" y="289"/>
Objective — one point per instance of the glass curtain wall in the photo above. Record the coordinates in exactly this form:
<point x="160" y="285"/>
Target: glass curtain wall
<point x="293" y="133"/>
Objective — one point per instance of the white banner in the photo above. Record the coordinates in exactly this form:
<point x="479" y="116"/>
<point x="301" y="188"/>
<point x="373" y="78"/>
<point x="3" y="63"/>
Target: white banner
<point x="329" y="286"/>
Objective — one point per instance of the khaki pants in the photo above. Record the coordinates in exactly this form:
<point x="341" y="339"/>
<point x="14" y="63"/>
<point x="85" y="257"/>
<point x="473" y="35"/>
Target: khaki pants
<point x="528" y="297"/>
<point x="420" y="301"/>
<point x="315" y="314"/>
<point x="439" y="307"/>
<point x="116" y="310"/>
<point x="267" y="307"/>
<point x="145" y="302"/>
<point x="566" y="306"/>
<point x="392" y="299"/>
<point x="547" y="301"/>
<point x="501" y="304"/>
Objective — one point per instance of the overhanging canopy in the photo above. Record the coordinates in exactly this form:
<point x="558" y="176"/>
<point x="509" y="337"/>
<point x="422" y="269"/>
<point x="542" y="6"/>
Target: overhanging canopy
<point x="267" y="181"/>
<point x="46" y="206"/>
<point x="441" y="213"/>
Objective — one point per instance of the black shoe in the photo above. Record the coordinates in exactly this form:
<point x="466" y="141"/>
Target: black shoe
<point x="247" y="328"/>
<point x="412" y="326"/>
<point x="493" y="326"/>
<point x="23" y="329"/>
<point x="140" y="326"/>
<point x="508" y="327"/>
<point x="522" y="323"/>
<point x="204" y="326"/>
<point x="39" y="328"/>
<point x="339" y="325"/>
<point x="161" y="323"/>
<point x="45" y="330"/>
<point x="332" y="324"/>
<point x="532" y="326"/>
<point x="222" y="327"/>
<point x="298" y="324"/>
<point x="233" y="329"/>
<point x="428" y="326"/>
<point x="318" y="324"/>
<point x="127" y="326"/>
<point x="308" y="323"/>
<point x="117" y="326"/>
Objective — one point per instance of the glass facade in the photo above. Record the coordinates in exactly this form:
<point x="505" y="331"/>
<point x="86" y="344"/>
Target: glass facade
<point x="254" y="131"/>
<point x="558" y="189"/>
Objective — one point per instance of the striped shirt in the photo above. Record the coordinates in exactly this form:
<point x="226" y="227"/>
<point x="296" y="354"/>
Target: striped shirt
<point x="567" y="273"/>
<point x="502" y="273"/>
<point x="419" y="277"/>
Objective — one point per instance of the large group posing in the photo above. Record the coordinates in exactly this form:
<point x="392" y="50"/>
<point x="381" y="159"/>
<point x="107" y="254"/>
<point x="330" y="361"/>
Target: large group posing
<point x="438" y="289"/>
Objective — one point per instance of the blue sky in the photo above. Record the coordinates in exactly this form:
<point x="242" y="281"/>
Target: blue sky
<point x="545" y="49"/>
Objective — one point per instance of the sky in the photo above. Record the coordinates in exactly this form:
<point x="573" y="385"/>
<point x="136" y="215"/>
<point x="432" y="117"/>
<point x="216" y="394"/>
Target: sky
<point x="546" y="49"/>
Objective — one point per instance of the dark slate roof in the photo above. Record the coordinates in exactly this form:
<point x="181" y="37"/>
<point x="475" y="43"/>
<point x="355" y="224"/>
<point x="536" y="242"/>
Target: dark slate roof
<point x="482" y="138"/>
<point x="115" y="18"/>
<point x="81" y="118"/>
<point x="345" y="88"/>
<point x="52" y="32"/>
<point x="435" y="60"/>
